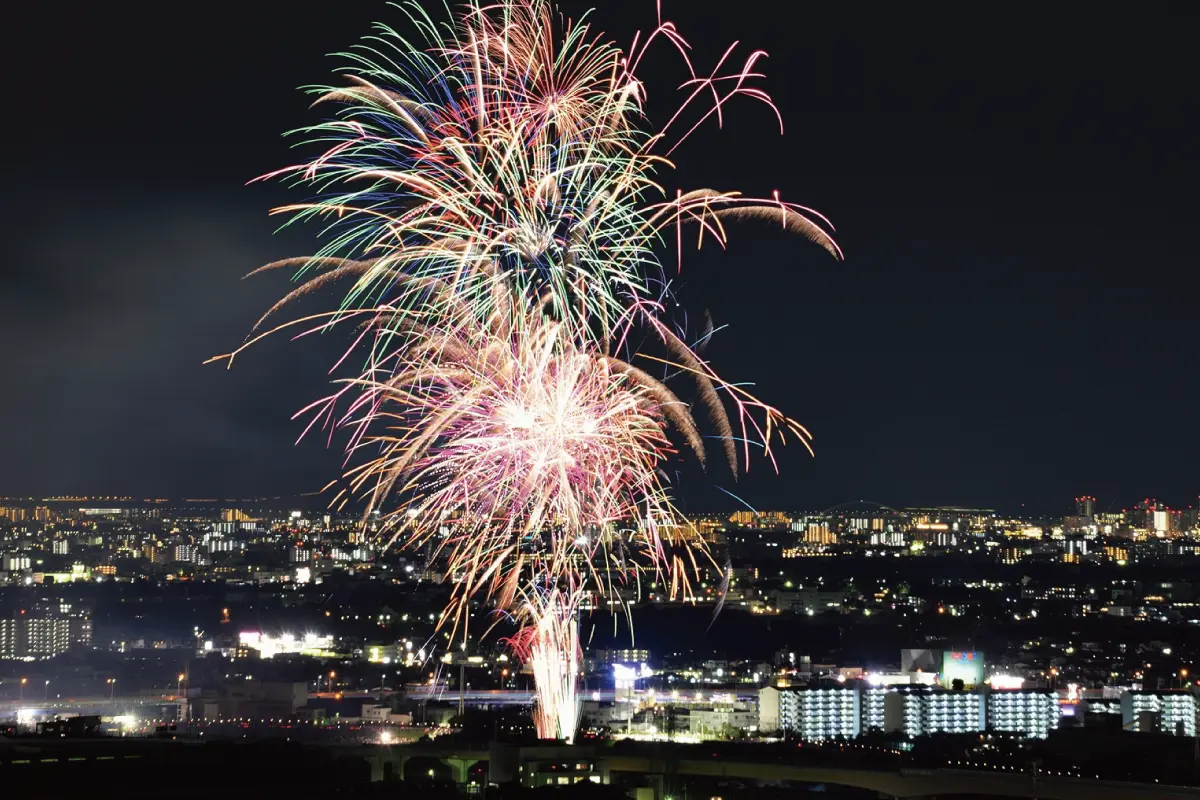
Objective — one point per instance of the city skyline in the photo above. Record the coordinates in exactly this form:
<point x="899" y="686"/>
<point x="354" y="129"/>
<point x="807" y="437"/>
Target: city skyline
<point x="914" y="631"/>
<point x="1010" y="325"/>
<point x="314" y="502"/>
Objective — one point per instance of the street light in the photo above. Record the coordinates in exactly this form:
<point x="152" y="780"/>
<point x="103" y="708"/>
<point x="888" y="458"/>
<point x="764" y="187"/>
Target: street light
<point x="22" y="690"/>
<point x="47" y="697"/>
<point x="179" y="684"/>
<point x="112" y="682"/>
<point x="332" y="675"/>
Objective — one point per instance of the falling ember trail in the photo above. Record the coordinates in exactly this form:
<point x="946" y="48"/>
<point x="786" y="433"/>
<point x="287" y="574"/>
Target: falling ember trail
<point x="549" y="644"/>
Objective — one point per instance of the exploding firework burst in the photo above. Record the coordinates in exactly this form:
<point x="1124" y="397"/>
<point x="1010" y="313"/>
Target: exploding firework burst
<point x="490" y="191"/>
<point x="509" y="143"/>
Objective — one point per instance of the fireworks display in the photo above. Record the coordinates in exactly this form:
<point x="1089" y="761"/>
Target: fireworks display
<point x="492" y="198"/>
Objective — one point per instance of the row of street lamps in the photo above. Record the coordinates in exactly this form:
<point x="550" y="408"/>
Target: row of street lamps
<point x="112" y="687"/>
<point x="22" y="690"/>
<point x="112" y="682"/>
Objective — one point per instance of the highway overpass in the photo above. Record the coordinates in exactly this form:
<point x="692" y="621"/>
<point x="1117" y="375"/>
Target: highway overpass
<point x="502" y="697"/>
<point x="661" y="770"/>
<point x="102" y="705"/>
<point x="660" y="767"/>
<point x="908" y="782"/>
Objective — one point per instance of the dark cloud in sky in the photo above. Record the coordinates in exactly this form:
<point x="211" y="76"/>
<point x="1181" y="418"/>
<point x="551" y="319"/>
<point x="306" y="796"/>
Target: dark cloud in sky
<point x="1015" y="321"/>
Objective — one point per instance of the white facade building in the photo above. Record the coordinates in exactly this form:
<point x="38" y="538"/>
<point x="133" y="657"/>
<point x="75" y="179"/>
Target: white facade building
<point x="914" y="710"/>
<point x="1031" y="713"/>
<point x="1159" y="711"/>
<point x="30" y="638"/>
<point x="721" y="720"/>
<point x="812" y="714"/>
<point x="15" y="562"/>
<point x="920" y="711"/>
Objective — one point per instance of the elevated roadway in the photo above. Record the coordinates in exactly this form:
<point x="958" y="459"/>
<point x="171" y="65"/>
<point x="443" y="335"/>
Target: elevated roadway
<point x="662" y="769"/>
<point x="908" y="782"/>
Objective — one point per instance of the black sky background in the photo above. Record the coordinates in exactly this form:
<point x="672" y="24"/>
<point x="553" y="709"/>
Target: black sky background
<point x="1015" y="190"/>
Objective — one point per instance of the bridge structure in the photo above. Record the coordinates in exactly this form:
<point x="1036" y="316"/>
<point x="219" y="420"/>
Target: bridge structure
<point x="513" y="697"/>
<point x="536" y="765"/>
<point x="656" y="766"/>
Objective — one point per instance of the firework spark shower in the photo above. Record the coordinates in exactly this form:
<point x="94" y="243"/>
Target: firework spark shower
<point x="495" y="204"/>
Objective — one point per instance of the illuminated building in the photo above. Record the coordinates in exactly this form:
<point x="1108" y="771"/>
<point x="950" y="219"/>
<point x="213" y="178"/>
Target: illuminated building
<point x="60" y="547"/>
<point x="561" y="769"/>
<point x="219" y="544"/>
<point x="15" y="562"/>
<point x="818" y="533"/>
<point x="874" y="702"/>
<point x="951" y="712"/>
<point x="1085" y="506"/>
<point x="40" y="633"/>
<point x="1119" y="554"/>
<point x="8" y="639"/>
<point x="1142" y="516"/>
<point x="924" y="710"/>
<point x="770" y="703"/>
<point x="709" y="529"/>
<point x="628" y="656"/>
<point x="1031" y="713"/>
<point x="398" y="653"/>
<point x="269" y="646"/>
<point x="916" y="710"/>
<point x="887" y="539"/>
<point x="1077" y="546"/>
<point x="807" y="601"/>
<point x="766" y="519"/>
<point x="773" y="519"/>
<point x="46" y="638"/>
<point x="904" y="703"/>
<point x="1171" y="712"/>
<point x="812" y="714"/>
<point x="721" y="720"/>
<point x="879" y="686"/>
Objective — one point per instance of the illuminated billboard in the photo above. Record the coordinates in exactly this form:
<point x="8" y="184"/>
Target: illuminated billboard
<point x="625" y="676"/>
<point x="962" y="665"/>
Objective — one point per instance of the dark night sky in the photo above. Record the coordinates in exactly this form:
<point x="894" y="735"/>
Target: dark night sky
<point x="1015" y="191"/>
